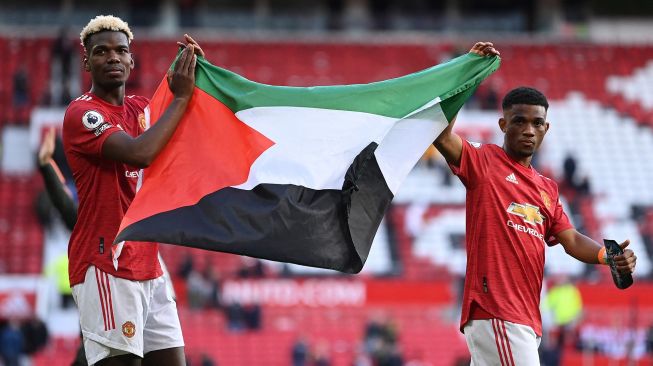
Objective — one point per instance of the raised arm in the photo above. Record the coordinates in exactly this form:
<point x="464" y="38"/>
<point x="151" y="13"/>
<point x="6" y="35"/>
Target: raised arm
<point x="448" y="143"/>
<point x="141" y="151"/>
<point x="587" y="250"/>
<point x="61" y="198"/>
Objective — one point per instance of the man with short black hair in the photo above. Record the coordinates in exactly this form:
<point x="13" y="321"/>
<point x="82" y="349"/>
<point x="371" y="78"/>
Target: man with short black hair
<point x="512" y="213"/>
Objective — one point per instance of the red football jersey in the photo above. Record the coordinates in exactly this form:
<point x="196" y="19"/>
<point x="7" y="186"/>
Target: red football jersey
<point x="105" y="189"/>
<point x="512" y="213"/>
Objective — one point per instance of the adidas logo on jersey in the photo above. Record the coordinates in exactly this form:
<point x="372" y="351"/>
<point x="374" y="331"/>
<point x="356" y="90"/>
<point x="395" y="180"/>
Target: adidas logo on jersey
<point x="511" y="178"/>
<point x="84" y="97"/>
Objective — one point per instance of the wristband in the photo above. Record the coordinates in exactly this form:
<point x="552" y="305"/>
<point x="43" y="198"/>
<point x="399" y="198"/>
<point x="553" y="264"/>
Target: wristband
<point x="603" y="256"/>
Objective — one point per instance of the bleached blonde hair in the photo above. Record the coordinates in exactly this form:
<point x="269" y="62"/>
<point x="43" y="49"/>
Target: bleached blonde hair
<point x="105" y="23"/>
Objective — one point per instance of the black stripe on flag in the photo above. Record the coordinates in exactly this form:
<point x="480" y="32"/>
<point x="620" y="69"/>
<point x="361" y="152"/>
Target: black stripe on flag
<point x="330" y="229"/>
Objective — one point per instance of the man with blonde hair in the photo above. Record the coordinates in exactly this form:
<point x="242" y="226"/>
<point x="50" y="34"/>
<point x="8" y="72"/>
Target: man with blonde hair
<point x="127" y="313"/>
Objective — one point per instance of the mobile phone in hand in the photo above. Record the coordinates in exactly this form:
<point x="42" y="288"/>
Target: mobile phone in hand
<point x="612" y="249"/>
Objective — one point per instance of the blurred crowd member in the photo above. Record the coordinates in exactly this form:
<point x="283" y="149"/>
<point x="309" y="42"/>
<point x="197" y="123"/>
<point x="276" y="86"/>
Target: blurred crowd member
<point x="321" y="355"/>
<point x="300" y="352"/>
<point x="243" y="317"/>
<point x="35" y="335"/>
<point x="213" y="279"/>
<point x="569" y="170"/>
<point x="20" y="338"/>
<point x="574" y="187"/>
<point x="202" y="288"/>
<point x="12" y="343"/>
<point x="564" y="306"/>
<point x="489" y="100"/>
<point x="55" y="185"/>
<point x="649" y="339"/>
<point x="57" y="271"/>
<point x="235" y="316"/>
<point x="380" y="341"/>
<point x="512" y="211"/>
<point x="251" y="268"/>
<point x="206" y="360"/>
<point x="20" y="94"/>
<point x="433" y="160"/>
<point x="303" y="353"/>
<point x="186" y="266"/>
<point x="62" y="54"/>
<point x="198" y="290"/>
<point x="645" y="225"/>
<point x="362" y="358"/>
<point x="252" y="316"/>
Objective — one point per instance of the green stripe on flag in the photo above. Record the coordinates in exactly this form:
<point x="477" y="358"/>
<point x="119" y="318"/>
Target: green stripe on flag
<point x="453" y="82"/>
<point x="452" y="105"/>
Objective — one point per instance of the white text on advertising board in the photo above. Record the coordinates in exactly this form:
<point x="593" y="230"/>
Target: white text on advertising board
<point x="316" y="293"/>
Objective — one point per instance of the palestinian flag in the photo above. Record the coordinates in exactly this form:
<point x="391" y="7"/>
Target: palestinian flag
<point x="300" y="175"/>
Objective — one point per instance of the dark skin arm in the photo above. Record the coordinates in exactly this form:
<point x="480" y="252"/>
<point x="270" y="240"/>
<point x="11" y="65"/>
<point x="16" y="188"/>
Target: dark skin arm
<point x="448" y="143"/>
<point x="141" y="151"/>
<point x="586" y="250"/>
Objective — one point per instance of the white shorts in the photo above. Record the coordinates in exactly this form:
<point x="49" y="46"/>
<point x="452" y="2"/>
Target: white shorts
<point x="120" y="316"/>
<point x="502" y="343"/>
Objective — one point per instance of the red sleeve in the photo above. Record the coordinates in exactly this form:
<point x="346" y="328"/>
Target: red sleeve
<point x="86" y="129"/>
<point x="559" y="223"/>
<point x="473" y="163"/>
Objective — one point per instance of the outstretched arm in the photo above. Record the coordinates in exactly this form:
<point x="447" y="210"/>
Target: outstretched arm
<point x="141" y="151"/>
<point x="587" y="250"/>
<point x="448" y="143"/>
<point x="61" y="198"/>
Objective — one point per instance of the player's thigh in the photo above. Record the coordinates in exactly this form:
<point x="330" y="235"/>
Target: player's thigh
<point x="162" y="327"/>
<point x="496" y="342"/>
<point x="111" y="312"/>
<point x="166" y="357"/>
<point x="480" y="342"/>
<point x="524" y="343"/>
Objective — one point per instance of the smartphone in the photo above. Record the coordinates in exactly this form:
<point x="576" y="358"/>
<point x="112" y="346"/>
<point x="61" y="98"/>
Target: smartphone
<point x="621" y="280"/>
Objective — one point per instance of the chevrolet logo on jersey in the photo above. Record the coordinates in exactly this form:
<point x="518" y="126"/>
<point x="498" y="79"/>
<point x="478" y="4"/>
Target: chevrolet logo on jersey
<point x="530" y="214"/>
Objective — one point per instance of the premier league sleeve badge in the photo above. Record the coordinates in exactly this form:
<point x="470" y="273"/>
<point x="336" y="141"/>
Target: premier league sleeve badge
<point x="93" y="121"/>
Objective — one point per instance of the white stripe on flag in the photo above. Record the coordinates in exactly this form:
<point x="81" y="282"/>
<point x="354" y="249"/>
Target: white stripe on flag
<point x="407" y="141"/>
<point x="313" y="147"/>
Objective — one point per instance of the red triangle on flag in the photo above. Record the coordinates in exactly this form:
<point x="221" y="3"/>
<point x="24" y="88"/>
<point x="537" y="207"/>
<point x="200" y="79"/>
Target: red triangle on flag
<point x="210" y="150"/>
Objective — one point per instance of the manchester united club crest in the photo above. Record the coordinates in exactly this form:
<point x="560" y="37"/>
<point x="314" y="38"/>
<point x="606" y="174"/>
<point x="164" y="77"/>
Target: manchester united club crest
<point x="546" y="199"/>
<point x="128" y="329"/>
<point x="141" y="121"/>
